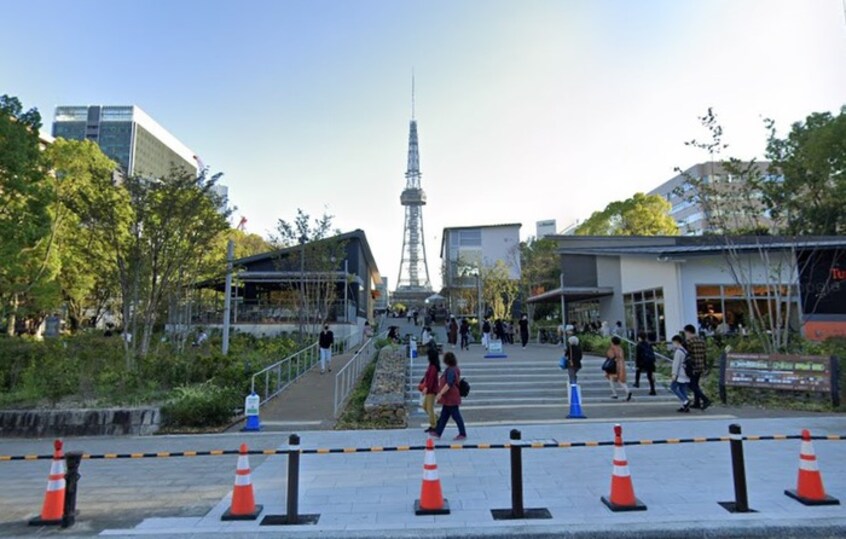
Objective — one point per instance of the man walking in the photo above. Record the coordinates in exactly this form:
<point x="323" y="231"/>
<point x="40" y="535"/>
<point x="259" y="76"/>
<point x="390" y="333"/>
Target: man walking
<point x="486" y="333"/>
<point x="325" y="342"/>
<point x="524" y="330"/>
<point x="697" y="349"/>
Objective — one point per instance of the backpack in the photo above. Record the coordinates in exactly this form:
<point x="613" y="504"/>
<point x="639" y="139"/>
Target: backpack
<point x="687" y="363"/>
<point x="463" y="388"/>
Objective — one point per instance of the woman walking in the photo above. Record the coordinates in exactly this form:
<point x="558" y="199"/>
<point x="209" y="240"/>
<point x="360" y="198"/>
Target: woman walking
<point x="450" y="398"/>
<point x="679" y="376"/>
<point x="615" y="353"/>
<point x="524" y="330"/>
<point x="645" y="361"/>
<point x="464" y="330"/>
<point x="574" y="359"/>
<point x="453" y="331"/>
<point x="429" y="387"/>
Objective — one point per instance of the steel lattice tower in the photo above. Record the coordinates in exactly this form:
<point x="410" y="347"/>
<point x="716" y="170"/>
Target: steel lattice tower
<point x="414" y="270"/>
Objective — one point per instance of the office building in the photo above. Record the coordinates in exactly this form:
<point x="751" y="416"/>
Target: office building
<point x="127" y="135"/>
<point x="544" y="228"/>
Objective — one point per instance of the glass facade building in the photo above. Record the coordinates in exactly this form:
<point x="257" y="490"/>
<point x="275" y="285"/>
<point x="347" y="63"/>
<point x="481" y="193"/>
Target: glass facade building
<point x="127" y="135"/>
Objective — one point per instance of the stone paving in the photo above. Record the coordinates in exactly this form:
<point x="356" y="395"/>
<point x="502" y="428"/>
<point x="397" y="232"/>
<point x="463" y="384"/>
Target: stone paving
<point x="361" y="493"/>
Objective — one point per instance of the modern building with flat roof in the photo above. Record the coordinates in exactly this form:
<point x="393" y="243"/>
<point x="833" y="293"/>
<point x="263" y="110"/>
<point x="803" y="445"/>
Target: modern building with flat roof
<point x="127" y="135"/>
<point x="657" y="285"/>
<point x="691" y="216"/>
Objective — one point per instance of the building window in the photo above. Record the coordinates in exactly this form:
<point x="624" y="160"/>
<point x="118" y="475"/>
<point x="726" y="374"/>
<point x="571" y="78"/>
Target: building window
<point x="645" y="313"/>
<point x="725" y="309"/>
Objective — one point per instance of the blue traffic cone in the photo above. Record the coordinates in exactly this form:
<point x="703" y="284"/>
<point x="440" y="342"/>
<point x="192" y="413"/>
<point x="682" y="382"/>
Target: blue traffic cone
<point x="576" y="403"/>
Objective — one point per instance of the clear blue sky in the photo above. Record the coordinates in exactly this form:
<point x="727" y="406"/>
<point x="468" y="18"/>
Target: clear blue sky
<point x="527" y="110"/>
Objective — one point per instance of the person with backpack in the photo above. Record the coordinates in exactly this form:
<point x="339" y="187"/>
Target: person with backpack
<point x="696" y="347"/>
<point x="645" y="361"/>
<point x="574" y="358"/>
<point x="618" y="373"/>
<point x="429" y="387"/>
<point x="486" y="333"/>
<point x="450" y="397"/>
<point x="464" y="332"/>
<point x="679" y="374"/>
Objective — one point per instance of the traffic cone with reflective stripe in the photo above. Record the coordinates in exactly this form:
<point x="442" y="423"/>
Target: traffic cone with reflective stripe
<point x="243" y="499"/>
<point x="54" y="499"/>
<point x="622" y="496"/>
<point x="809" y="486"/>
<point x="431" y="500"/>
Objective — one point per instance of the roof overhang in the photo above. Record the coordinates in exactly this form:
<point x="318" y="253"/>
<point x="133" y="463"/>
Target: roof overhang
<point x="572" y="293"/>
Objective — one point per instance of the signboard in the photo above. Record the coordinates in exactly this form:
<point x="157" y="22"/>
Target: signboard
<point x="52" y="326"/>
<point x="779" y="371"/>
<point x="495" y="347"/>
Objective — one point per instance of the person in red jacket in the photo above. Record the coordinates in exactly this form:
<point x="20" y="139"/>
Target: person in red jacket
<point x="450" y="398"/>
<point x="429" y="387"/>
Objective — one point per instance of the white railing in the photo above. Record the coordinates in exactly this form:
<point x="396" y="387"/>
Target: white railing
<point x="285" y="372"/>
<point x="347" y="378"/>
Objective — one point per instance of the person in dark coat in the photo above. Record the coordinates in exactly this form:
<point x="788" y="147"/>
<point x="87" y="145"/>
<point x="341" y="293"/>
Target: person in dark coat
<point x="645" y="362"/>
<point x="574" y="358"/>
<point x="453" y="331"/>
<point x="325" y="342"/>
<point x="524" y="330"/>
<point x="464" y="331"/>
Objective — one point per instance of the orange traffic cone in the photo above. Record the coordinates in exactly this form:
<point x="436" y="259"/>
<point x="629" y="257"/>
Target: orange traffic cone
<point x="809" y="486"/>
<point x="243" y="500"/>
<point x="54" y="499"/>
<point x="622" y="496"/>
<point x="431" y="500"/>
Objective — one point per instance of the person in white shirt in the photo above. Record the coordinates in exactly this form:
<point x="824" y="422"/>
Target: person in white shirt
<point x="680" y="378"/>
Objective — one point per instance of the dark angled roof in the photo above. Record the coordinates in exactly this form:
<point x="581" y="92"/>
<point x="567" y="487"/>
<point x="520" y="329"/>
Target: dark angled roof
<point x="355" y="234"/>
<point x="669" y="246"/>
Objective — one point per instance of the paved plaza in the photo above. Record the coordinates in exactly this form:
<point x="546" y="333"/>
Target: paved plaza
<point x="371" y="494"/>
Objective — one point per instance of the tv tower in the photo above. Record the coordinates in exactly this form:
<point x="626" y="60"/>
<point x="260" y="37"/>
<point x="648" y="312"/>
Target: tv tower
<point x="413" y="281"/>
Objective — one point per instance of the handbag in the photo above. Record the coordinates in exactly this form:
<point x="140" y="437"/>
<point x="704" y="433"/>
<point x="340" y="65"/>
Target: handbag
<point x="610" y="365"/>
<point x="564" y="363"/>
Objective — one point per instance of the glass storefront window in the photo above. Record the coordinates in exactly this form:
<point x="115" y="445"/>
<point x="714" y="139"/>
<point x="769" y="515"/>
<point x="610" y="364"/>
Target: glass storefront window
<point x="732" y="310"/>
<point x="645" y="313"/>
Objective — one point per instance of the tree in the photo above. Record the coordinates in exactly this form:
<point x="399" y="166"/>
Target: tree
<point x="734" y="213"/>
<point x="499" y="289"/>
<point x="83" y="184"/>
<point x="173" y="223"/>
<point x="539" y="271"/>
<point x="808" y="175"/>
<point x="318" y="260"/>
<point x="25" y="198"/>
<point x="641" y="215"/>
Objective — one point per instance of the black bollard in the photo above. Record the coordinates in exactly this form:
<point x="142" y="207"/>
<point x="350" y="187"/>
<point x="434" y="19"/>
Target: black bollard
<point x="738" y="467"/>
<point x="72" y="461"/>
<point x="518" y="511"/>
<point x="292" y="502"/>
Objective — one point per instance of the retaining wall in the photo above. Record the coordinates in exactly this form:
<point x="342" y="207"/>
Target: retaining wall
<point x="386" y="400"/>
<point x="79" y="422"/>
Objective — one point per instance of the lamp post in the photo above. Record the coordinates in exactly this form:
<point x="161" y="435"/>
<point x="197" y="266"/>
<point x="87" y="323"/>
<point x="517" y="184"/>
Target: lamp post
<point x="302" y="287"/>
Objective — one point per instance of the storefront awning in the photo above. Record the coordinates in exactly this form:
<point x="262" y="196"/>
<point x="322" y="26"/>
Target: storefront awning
<point x="572" y="293"/>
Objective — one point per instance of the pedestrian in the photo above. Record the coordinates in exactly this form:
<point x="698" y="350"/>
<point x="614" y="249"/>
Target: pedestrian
<point x="453" y="331"/>
<point x="464" y="331"/>
<point x="524" y="330"/>
<point x="574" y="359"/>
<point x="408" y="317"/>
<point x="615" y="353"/>
<point x="425" y="335"/>
<point x="429" y="387"/>
<point x="618" y="330"/>
<point x="679" y="375"/>
<point x="645" y="361"/>
<point x="325" y="342"/>
<point x="414" y="315"/>
<point x="450" y="398"/>
<point x="486" y="333"/>
<point x="499" y="330"/>
<point x="696" y="347"/>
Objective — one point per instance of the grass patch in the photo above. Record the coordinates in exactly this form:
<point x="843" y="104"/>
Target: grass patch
<point x="353" y="417"/>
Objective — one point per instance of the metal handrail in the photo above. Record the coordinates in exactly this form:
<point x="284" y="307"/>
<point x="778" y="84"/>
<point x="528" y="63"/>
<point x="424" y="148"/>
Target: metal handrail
<point x="631" y="350"/>
<point x="347" y="378"/>
<point x="278" y="376"/>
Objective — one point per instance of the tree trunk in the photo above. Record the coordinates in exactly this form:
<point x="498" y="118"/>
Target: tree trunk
<point x="12" y="318"/>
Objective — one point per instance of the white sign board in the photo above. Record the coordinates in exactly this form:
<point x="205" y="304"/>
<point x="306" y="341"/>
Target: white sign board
<point x="495" y="347"/>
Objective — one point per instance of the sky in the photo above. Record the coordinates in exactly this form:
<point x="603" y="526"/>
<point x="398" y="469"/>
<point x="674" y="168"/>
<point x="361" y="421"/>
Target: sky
<point x="527" y="110"/>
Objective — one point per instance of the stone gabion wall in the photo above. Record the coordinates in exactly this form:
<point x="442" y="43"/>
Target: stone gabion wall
<point x="386" y="400"/>
<point x="79" y="422"/>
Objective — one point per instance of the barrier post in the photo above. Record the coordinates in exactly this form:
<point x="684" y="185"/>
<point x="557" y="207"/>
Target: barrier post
<point x="72" y="460"/>
<point x="738" y="467"/>
<point x="293" y="495"/>
<point x="518" y="511"/>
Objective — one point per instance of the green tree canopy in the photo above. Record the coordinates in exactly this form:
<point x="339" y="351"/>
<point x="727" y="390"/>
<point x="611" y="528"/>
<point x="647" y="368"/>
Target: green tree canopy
<point x="641" y="215"/>
<point x="807" y="187"/>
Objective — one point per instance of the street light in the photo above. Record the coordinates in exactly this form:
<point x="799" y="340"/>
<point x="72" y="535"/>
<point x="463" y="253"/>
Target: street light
<point x="303" y="240"/>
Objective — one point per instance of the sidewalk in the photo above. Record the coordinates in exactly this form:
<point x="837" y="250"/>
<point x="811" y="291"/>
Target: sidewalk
<point x="371" y="494"/>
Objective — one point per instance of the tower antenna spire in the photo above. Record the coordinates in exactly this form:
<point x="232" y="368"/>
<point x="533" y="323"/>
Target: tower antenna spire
<point x="412" y="92"/>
